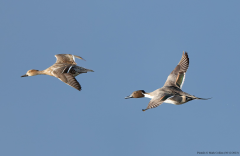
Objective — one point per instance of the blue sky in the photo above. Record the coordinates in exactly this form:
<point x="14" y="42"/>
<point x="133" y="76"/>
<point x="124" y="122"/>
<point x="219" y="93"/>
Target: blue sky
<point x="131" y="45"/>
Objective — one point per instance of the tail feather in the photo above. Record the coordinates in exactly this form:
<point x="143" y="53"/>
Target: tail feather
<point x="203" y="98"/>
<point x="189" y="98"/>
<point x="90" y="70"/>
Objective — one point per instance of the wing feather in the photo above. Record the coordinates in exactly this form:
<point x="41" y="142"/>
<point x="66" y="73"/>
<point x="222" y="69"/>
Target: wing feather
<point x="71" y="81"/>
<point x="67" y="59"/>
<point x="68" y="78"/>
<point x="177" y="76"/>
<point x="155" y="102"/>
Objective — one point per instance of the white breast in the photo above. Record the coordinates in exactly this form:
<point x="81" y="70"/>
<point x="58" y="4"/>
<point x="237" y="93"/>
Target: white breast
<point x="170" y="101"/>
<point x="148" y="96"/>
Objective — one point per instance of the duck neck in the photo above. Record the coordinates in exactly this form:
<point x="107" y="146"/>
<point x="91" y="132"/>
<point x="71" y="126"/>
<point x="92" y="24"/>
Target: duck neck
<point x="147" y="95"/>
<point x="41" y="72"/>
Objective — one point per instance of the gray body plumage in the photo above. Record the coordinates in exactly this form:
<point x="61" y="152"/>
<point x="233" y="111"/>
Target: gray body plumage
<point x="171" y="92"/>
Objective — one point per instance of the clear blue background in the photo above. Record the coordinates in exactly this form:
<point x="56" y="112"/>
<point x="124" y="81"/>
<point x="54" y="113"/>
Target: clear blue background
<point x="131" y="45"/>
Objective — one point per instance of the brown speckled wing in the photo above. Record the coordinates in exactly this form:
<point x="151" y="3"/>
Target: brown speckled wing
<point x="68" y="78"/>
<point x="71" y="81"/>
<point x="67" y="58"/>
<point x="154" y="102"/>
<point x="177" y="76"/>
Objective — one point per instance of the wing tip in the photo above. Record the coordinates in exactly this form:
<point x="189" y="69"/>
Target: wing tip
<point x="78" y="87"/>
<point x="185" y="56"/>
<point x="205" y="98"/>
<point x="79" y="57"/>
<point x="185" y="53"/>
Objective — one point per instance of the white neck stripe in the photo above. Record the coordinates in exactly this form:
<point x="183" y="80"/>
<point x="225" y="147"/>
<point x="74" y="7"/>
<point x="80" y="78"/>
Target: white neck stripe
<point x="148" y="96"/>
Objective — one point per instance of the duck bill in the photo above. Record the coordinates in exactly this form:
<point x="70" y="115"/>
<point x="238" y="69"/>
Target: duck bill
<point x="128" y="97"/>
<point x="24" y="75"/>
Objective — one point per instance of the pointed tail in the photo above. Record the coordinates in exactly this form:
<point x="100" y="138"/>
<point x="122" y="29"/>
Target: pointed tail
<point x="90" y="70"/>
<point x="202" y="98"/>
<point x="189" y="98"/>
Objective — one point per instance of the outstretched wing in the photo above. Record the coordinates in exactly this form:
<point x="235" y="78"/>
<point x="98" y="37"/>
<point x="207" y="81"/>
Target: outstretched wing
<point x="177" y="76"/>
<point x="63" y="75"/>
<point x="71" y="81"/>
<point x="154" y="102"/>
<point x="67" y="58"/>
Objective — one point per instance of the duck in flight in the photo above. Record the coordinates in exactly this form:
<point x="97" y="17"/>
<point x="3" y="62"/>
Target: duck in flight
<point x="65" y="69"/>
<point x="171" y="92"/>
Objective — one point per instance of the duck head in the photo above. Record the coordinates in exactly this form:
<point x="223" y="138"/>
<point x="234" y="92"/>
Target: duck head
<point x="136" y="94"/>
<point x="31" y="72"/>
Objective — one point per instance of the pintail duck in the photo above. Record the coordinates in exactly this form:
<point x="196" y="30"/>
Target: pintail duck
<point x="171" y="91"/>
<point x="65" y="69"/>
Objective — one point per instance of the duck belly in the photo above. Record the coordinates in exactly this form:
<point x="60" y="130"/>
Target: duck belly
<point x="176" y="100"/>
